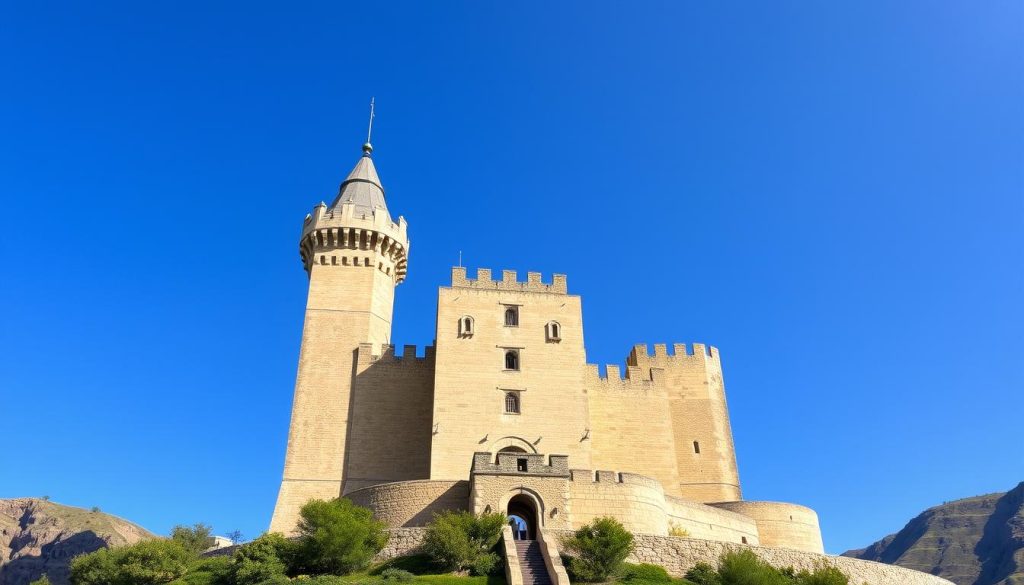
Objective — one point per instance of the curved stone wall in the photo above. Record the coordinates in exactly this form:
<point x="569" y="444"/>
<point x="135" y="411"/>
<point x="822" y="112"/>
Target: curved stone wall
<point x="781" y="525"/>
<point x="412" y="503"/>
<point x="679" y="555"/>
<point x="703" y="521"/>
<point x="636" y="501"/>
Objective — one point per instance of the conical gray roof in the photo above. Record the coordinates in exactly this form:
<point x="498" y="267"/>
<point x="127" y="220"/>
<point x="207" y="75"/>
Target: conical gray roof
<point x="362" y="188"/>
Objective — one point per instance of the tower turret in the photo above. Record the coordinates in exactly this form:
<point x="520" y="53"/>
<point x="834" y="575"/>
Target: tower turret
<point x="355" y="256"/>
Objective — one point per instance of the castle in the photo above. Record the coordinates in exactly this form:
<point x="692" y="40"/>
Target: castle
<point x="503" y="413"/>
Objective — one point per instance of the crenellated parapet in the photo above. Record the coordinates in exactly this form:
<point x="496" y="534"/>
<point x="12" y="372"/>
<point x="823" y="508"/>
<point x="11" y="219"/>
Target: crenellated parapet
<point x="682" y="355"/>
<point x="636" y="379"/>
<point x="382" y="355"/>
<point x="345" y="236"/>
<point x="509" y="281"/>
<point x="508" y="463"/>
<point x="613" y="477"/>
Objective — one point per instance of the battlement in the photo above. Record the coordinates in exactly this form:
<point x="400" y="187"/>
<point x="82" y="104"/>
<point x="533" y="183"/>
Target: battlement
<point x="373" y="354"/>
<point x="484" y="463"/>
<point x="612" y="477"/>
<point x="636" y="379"/>
<point x="343" y="237"/>
<point x="347" y="215"/>
<point x="682" y="355"/>
<point x="509" y="281"/>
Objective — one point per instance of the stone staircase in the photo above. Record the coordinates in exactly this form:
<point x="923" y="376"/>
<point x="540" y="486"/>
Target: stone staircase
<point x="531" y="563"/>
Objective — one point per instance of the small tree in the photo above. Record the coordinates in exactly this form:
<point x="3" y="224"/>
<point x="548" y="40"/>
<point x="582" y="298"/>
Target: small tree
<point x="150" y="562"/>
<point x="598" y="549"/>
<point x="461" y="541"/>
<point x="235" y="536"/>
<point x="195" y="539"/>
<point x="268" y="557"/>
<point x="338" y="537"/>
<point x="703" y="574"/>
<point x="44" y="580"/>
<point x="743" y="567"/>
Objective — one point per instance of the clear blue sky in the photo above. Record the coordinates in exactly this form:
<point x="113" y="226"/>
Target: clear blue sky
<point x="830" y="192"/>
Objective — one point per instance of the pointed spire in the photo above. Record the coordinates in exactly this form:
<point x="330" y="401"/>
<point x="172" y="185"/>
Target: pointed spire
<point x="362" y="187"/>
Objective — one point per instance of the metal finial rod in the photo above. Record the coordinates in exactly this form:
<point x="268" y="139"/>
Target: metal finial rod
<point x="369" y="130"/>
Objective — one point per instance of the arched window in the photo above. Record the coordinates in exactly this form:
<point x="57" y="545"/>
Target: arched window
<point x="553" y="331"/>
<point x="511" y="403"/>
<point x="512" y="317"/>
<point x="465" y="326"/>
<point x="511" y="360"/>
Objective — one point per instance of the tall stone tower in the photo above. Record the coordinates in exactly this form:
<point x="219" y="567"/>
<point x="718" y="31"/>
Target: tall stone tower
<point x="355" y="256"/>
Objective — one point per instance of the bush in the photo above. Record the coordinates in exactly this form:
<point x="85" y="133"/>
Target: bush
<point x="211" y="571"/>
<point x="743" y="567"/>
<point x="44" y="580"/>
<point x="196" y="539"/>
<point x="644" y="572"/>
<point x="677" y="530"/>
<point x="460" y="541"/>
<point x="703" y="574"/>
<point x="266" y="558"/>
<point x="395" y="574"/>
<point x="598" y="549"/>
<point x="338" y="537"/>
<point x="149" y="562"/>
<point x="822" y="575"/>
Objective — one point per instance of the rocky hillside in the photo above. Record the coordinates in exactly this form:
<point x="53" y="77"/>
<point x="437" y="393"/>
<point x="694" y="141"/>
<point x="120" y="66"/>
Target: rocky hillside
<point x="974" y="541"/>
<point x="38" y="537"/>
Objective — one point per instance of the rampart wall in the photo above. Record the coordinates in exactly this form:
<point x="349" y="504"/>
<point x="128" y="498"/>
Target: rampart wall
<point x="412" y="503"/>
<point x="390" y="416"/>
<point x="780" y="524"/>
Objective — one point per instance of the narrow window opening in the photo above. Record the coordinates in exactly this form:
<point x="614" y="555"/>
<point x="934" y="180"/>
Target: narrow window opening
<point x="553" y="331"/>
<point x="511" y="360"/>
<point x="743" y="539"/>
<point x="511" y="403"/>
<point x="512" y="317"/>
<point x="521" y="465"/>
<point x="696" y="447"/>
<point x="466" y="326"/>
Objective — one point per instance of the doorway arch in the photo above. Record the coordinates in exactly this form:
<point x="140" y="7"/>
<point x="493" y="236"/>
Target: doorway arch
<point x="524" y="516"/>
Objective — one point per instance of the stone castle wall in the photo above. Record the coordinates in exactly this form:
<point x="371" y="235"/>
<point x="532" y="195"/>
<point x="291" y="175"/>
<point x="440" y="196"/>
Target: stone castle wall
<point x="390" y="428"/>
<point x="679" y="555"/>
<point x="702" y="435"/>
<point x="471" y="379"/>
<point x="630" y="428"/>
<point x="412" y="503"/>
<point x="780" y="524"/>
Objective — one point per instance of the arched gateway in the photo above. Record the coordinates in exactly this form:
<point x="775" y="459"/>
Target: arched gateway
<point x="523" y="517"/>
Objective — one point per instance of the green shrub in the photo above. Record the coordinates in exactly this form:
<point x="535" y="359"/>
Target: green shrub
<point x="150" y="562"/>
<point x="644" y="572"/>
<point x="598" y="549"/>
<point x="338" y="537"/>
<point x="211" y="571"/>
<point x="396" y="574"/>
<point x="703" y="574"/>
<point x="743" y="567"/>
<point x="416" y="564"/>
<point x="822" y="575"/>
<point x="44" y="580"/>
<point x="195" y="539"/>
<point x="460" y="541"/>
<point x="268" y="557"/>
